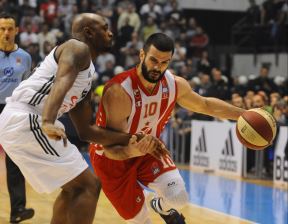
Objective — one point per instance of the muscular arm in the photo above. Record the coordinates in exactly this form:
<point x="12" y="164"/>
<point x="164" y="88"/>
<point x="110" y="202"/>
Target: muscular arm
<point x="117" y="106"/>
<point x="73" y="57"/>
<point x="191" y="101"/>
<point x="81" y="117"/>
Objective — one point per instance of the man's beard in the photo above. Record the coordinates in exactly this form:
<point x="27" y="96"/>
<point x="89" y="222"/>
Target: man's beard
<point x="147" y="76"/>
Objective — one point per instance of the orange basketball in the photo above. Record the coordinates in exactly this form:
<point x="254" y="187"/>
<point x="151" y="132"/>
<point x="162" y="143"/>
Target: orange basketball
<point x="256" y="128"/>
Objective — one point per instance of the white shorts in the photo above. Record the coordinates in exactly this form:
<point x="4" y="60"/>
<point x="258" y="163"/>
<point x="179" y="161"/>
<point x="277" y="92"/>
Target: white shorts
<point x="45" y="163"/>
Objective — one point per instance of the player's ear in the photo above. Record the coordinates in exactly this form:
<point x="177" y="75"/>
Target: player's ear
<point x="16" y="30"/>
<point x="87" y="32"/>
<point x="141" y="54"/>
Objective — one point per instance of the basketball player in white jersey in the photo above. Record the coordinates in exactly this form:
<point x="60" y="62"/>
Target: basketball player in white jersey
<point x="30" y="131"/>
<point x="141" y="100"/>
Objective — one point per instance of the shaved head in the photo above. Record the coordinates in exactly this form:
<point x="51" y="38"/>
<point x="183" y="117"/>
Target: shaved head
<point x="85" y="20"/>
<point x="93" y="30"/>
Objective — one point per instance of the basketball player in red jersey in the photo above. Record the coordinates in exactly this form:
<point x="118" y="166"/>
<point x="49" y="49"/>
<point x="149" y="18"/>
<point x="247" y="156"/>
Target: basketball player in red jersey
<point x="141" y="100"/>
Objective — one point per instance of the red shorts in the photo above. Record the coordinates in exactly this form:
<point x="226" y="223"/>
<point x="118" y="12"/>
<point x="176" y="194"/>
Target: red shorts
<point x="120" y="179"/>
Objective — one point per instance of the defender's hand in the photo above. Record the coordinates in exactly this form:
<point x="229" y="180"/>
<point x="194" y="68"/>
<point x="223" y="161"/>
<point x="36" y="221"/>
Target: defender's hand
<point x="140" y="148"/>
<point x="54" y="132"/>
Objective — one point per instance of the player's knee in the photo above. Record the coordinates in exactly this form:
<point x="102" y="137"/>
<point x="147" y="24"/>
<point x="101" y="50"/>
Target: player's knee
<point x="85" y="183"/>
<point x="178" y="200"/>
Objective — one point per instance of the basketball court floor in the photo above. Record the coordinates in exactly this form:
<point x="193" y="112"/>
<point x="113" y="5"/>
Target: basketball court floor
<point x="213" y="199"/>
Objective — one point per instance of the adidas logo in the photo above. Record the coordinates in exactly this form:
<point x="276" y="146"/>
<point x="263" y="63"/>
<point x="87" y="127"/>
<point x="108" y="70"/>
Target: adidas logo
<point x="200" y="159"/>
<point x="226" y="162"/>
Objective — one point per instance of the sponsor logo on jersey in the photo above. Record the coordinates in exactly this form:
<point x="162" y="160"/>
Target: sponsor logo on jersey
<point x="8" y="71"/>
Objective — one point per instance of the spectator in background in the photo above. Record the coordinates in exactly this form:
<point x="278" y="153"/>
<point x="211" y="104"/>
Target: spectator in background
<point x="204" y="64"/>
<point x="48" y="10"/>
<point x="253" y="13"/>
<point x="219" y="88"/>
<point x="179" y="56"/>
<point x="205" y="84"/>
<point x="262" y="82"/>
<point x="149" y="28"/>
<point x="280" y="110"/>
<point x="131" y="51"/>
<point x="102" y="60"/>
<point x="238" y="101"/>
<point x="198" y="42"/>
<point x="151" y="9"/>
<point x="33" y="50"/>
<point x="240" y="85"/>
<point x="28" y="37"/>
<point x="133" y="18"/>
<point x="46" y="35"/>
<point x="125" y="32"/>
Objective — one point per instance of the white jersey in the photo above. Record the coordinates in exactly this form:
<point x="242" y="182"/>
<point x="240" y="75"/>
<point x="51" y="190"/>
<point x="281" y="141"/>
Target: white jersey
<point x="34" y="91"/>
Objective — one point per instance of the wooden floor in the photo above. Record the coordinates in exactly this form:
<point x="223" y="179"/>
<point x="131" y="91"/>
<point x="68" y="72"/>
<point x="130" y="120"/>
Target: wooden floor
<point x="105" y="212"/>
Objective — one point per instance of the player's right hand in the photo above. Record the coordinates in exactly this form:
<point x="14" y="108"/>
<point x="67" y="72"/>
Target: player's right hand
<point x="54" y="132"/>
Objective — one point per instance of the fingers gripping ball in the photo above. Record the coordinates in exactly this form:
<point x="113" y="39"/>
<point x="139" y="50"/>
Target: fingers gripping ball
<point x="256" y="129"/>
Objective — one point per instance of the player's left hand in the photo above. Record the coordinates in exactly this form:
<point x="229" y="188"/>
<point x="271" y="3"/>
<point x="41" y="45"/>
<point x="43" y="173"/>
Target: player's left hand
<point x="54" y="132"/>
<point x="160" y="150"/>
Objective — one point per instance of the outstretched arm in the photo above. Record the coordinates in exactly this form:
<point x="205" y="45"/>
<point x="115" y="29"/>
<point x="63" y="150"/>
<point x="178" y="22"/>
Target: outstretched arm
<point x="191" y="101"/>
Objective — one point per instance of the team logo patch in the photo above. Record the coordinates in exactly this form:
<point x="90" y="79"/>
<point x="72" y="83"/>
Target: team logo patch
<point x="136" y="93"/>
<point x="138" y="199"/>
<point x="155" y="168"/>
<point x="18" y="60"/>
<point x="8" y="71"/>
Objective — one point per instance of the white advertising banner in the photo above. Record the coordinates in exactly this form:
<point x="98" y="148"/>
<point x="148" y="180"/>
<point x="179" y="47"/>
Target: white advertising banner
<point x="221" y="5"/>
<point x="215" y="147"/>
<point x="280" y="175"/>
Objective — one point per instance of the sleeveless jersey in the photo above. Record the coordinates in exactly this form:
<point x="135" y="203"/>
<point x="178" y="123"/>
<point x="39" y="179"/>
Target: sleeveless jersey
<point x="34" y="91"/>
<point x="150" y="112"/>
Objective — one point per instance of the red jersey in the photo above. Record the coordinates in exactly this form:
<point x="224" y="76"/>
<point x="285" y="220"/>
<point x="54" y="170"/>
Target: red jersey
<point x="150" y="112"/>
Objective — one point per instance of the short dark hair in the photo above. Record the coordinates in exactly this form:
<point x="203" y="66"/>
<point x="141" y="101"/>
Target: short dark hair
<point x="161" y="41"/>
<point x="5" y="15"/>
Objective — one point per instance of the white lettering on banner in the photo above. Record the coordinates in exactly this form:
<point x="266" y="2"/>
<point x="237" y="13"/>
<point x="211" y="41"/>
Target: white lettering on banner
<point x="280" y="161"/>
<point x="215" y="147"/>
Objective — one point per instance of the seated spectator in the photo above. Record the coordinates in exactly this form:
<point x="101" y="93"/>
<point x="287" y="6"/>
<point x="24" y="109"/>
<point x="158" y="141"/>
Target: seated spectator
<point x="151" y="9"/>
<point x="198" y="42"/>
<point x="133" y="18"/>
<point x="262" y="82"/>
<point x="102" y="60"/>
<point x="149" y="28"/>
<point x="238" y="101"/>
<point x="204" y="64"/>
<point x="219" y="88"/>
<point x="48" y="10"/>
<point x="131" y="51"/>
<point x="28" y="37"/>
<point x="280" y="112"/>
